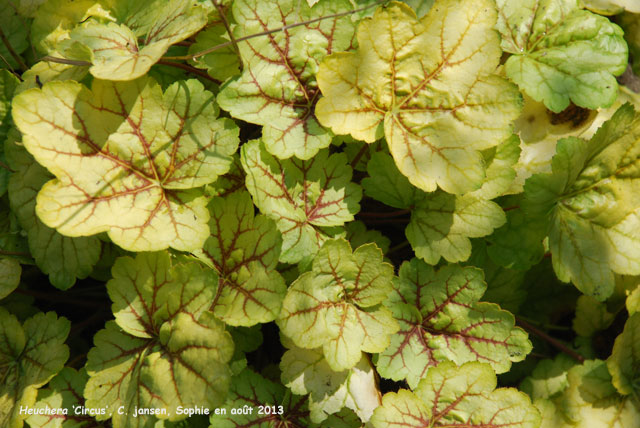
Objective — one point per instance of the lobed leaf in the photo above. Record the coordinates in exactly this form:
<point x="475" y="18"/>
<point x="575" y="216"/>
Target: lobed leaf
<point x="309" y="200"/>
<point x="426" y="85"/>
<point x="307" y="372"/>
<point x="441" y="320"/>
<point x="337" y="305"/>
<point x="277" y="88"/>
<point x="30" y="355"/>
<point x="624" y="362"/>
<point x="244" y="251"/>
<point x="591" y="205"/>
<point x="561" y="53"/>
<point x="142" y="153"/>
<point x="453" y="396"/>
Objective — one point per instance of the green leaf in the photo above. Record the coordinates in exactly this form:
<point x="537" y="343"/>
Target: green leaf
<point x="441" y="320"/>
<point x="307" y="372"/>
<point x="16" y="32"/>
<point x="549" y="378"/>
<point x="244" y="251"/>
<point x="64" y="392"/>
<point x="633" y="301"/>
<point x="337" y="305"/>
<point x="28" y="7"/>
<point x="278" y="86"/>
<point x="591" y="316"/>
<point x="358" y="234"/>
<point x="113" y="47"/>
<point x="500" y="173"/>
<point x="44" y="71"/>
<point x="30" y="355"/>
<point x="611" y="7"/>
<point x="55" y="19"/>
<point x="221" y="63"/>
<point x="591" y="203"/>
<point x="62" y="258"/>
<point x="426" y="85"/>
<point x="631" y="26"/>
<point x="387" y="185"/>
<point x="624" y="362"/>
<point x="250" y="390"/>
<point x="164" y="349"/>
<point x="307" y="199"/>
<point x="591" y="399"/>
<point x="457" y="396"/>
<point x="10" y="272"/>
<point x="141" y="153"/>
<point x="561" y="53"/>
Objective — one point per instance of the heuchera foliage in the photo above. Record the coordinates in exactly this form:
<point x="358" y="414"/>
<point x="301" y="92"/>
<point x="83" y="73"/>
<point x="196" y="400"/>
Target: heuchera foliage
<point x="323" y="213"/>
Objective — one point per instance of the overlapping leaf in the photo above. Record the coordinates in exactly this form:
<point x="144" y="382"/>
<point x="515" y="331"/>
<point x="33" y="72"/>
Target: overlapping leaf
<point x="30" y="355"/>
<point x="591" y="203"/>
<point x="164" y="349"/>
<point x="561" y="53"/>
<point x="16" y="35"/>
<point x="612" y="7"/>
<point x="10" y="272"/>
<point x="307" y="199"/>
<point x="244" y="251"/>
<point x="591" y="316"/>
<point x="306" y="372"/>
<point x="624" y="362"/>
<point x="441" y="319"/>
<point x="452" y="396"/>
<point x="278" y="86"/>
<point x="64" y="392"/>
<point x="113" y="47"/>
<point x="427" y="87"/>
<point x="141" y="153"/>
<point x="441" y="224"/>
<point x="61" y="257"/>
<point x="337" y="305"/>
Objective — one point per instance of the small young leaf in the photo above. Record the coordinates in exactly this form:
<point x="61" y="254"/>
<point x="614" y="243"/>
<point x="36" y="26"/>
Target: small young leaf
<point x="306" y="371"/>
<point x="141" y="154"/>
<point x="278" y="86"/>
<point x="426" y="85"/>
<point x="591" y="202"/>
<point x="337" y="305"/>
<point x="307" y="199"/>
<point x="441" y="319"/>
<point x="457" y="396"/>
<point x="30" y="355"/>
<point x="561" y="53"/>
<point x="244" y="251"/>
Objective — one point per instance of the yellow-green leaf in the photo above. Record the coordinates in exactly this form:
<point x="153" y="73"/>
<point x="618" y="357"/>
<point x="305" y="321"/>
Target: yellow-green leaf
<point x="427" y="86"/>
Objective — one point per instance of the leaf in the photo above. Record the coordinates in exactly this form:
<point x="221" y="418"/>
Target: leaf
<point x="624" y="362"/>
<point x="28" y="7"/>
<point x="337" y="305"/>
<point x="591" y="316"/>
<point x="250" y="390"/>
<point x="30" y="355"/>
<point x="221" y="63"/>
<point x="631" y="27"/>
<point x="611" y="7"/>
<point x="561" y="53"/>
<point x="358" y="234"/>
<point x="277" y="88"/>
<point x="10" y="272"/>
<point x="244" y="251"/>
<point x="142" y="154"/>
<point x="457" y="396"/>
<point x="549" y="378"/>
<point x="62" y="258"/>
<point x="591" y="399"/>
<point x="591" y="204"/>
<point x="16" y="33"/>
<point x="64" y="392"/>
<point x="441" y="225"/>
<point x="307" y="199"/>
<point x="307" y="372"/>
<point x="113" y="47"/>
<point x="437" y="107"/>
<point x="164" y="349"/>
<point x="441" y="320"/>
<point x="55" y="19"/>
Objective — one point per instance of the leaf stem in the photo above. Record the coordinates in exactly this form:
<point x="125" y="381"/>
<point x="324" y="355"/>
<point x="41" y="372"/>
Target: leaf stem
<point x="13" y="53"/>
<point x="80" y="63"/>
<point x="14" y="253"/>
<point x="545" y="326"/>
<point x="225" y="22"/>
<point x="554" y="342"/>
<point x="5" y="166"/>
<point x="188" y="68"/>
<point x="386" y="214"/>
<point x="275" y="30"/>
<point x="359" y="155"/>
